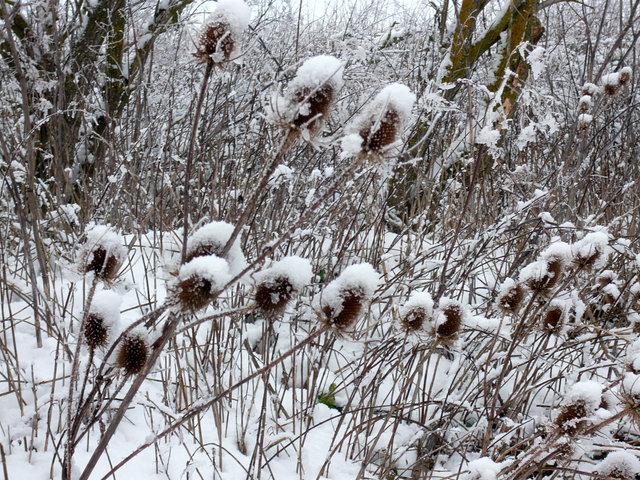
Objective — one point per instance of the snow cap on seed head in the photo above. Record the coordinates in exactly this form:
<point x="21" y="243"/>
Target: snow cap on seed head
<point x="344" y="298"/>
<point x="103" y="320"/>
<point x="103" y="252"/>
<point x="223" y="32"/>
<point x="276" y="285"/>
<point x="416" y="311"/>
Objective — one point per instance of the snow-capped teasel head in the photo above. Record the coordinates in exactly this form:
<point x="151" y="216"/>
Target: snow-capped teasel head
<point x="382" y="121"/>
<point x="416" y="311"/>
<point x="133" y="351"/>
<point x="222" y="34"/>
<point x="592" y="250"/>
<point x="590" y="89"/>
<point x="450" y="316"/>
<point x="619" y="465"/>
<point x="584" y="104"/>
<point x="310" y="95"/>
<point x="103" y="320"/>
<point x="210" y="239"/>
<point x="103" y="252"/>
<point x="581" y="401"/>
<point x="611" y="83"/>
<point x="584" y="120"/>
<point x="624" y="75"/>
<point x="276" y="285"/>
<point x="554" y="317"/>
<point x="510" y="296"/>
<point x="343" y="299"/>
<point x="199" y="280"/>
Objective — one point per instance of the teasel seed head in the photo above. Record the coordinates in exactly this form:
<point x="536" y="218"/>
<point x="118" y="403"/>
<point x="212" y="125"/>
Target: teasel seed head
<point x="611" y="83"/>
<point x="103" y="252"/>
<point x="133" y="353"/>
<point x="542" y="275"/>
<point x="624" y="75"/>
<point x="591" y="250"/>
<point x="584" y="105"/>
<point x="511" y="295"/>
<point x="276" y="286"/>
<point x="96" y="332"/>
<point x="416" y="311"/>
<point x="589" y="89"/>
<point x="343" y="300"/>
<point x="554" y="318"/>
<point x="210" y="239"/>
<point x="381" y="123"/>
<point x="449" y="319"/>
<point x="310" y="95"/>
<point x="583" y="400"/>
<point x="630" y="393"/>
<point x="199" y="281"/>
<point x="222" y="34"/>
<point x="619" y="465"/>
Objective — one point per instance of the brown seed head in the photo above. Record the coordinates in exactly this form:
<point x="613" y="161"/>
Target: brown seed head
<point x="549" y="279"/>
<point x="194" y="293"/>
<point x="96" y="332"/>
<point x="352" y="302"/>
<point x="216" y="43"/>
<point x="272" y="296"/>
<point x="104" y="265"/>
<point x="511" y="300"/>
<point x="571" y="419"/>
<point x="412" y="320"/>
<point x="553" y="318"/>
<point x="315" y="105"/>
<point x="453" y="314"/>
<point x="378" y="133"/>
<point x="624" y="76"/>
<point x="133" y="353"/>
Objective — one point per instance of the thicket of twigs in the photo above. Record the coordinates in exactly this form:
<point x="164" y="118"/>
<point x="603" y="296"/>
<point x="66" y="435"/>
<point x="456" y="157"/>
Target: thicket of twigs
<point x="239" y="248"/>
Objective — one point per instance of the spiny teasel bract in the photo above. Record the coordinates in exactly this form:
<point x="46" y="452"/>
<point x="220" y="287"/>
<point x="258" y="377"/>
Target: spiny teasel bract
<point x="275" y="286"/>
<point x="221" y="36"/>
<point x="416" y="311"/>
<point x="381" y="123"/>
<point x="210" y="239"/>
<point x="619" y="465"/>
<point x="199" y="281"/>
<point x="133" y="353"/>
<point x="103" y="252"/>
<point x="583" y="399"/>
<point x="343" y="300"/>
<point x="591" y="250"/>
<point x="510" y="296"/>
<point x="450" y="317"/>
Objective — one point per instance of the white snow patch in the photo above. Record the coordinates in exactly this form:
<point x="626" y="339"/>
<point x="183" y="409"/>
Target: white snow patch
<point x="211" y="268"/>
<point x="295" y="269"/>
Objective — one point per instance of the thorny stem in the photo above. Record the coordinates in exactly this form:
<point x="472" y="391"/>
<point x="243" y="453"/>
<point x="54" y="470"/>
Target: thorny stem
<point x="187" y="175"/>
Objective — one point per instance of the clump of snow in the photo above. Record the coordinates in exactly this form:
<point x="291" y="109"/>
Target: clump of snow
<point x="483" y="469"/>
<point x="534" y="272"/>
<point x="631" y="385"/>
<point x="351" y="144"/>
<point x="397" y="97"/>
<point x="590" y="89"/>
<point x="295" y="269"/>
<point x="557" y="251"/>
<point x="236" y="13"/>
<point x="584" y="120"/>
<point x="584" y="104"/>
<point x="625" y="75"/>
<point x="104" y="237"/>
<point x="593" y="245"/>
<point x="361" y="278"/>
<point x="611" y="79"/>
<point x="587" y="393"/>
<point x="418" y="301"/>
<point x="106" y="305"/>
<point x="215" y="235"/>
<point x="211" y="268"/>
<point x="619" y="464"/>
<point x="280" y="175"/>
<point x="318" y="71"/>
<point x="632" y="359"/>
